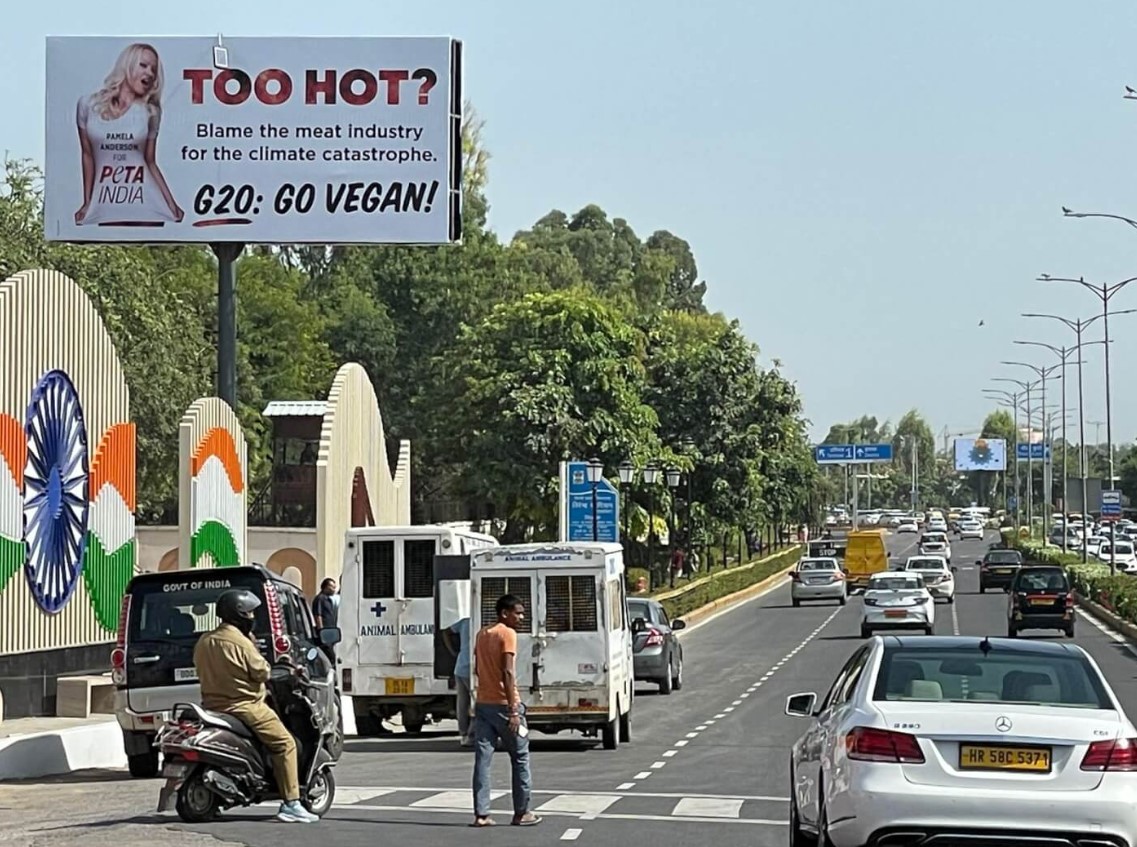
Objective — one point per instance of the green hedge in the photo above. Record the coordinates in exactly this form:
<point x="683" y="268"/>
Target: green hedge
<point x="1092" y="580"/>
<point x="723" y="583"/>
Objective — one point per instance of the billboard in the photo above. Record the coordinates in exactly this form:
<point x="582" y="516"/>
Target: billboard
<point x="269" y="140"/>
<point x="980" y="454"/>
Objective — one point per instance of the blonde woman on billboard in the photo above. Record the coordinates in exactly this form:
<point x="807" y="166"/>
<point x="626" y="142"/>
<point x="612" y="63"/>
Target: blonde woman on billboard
<point x="118" y="138"/>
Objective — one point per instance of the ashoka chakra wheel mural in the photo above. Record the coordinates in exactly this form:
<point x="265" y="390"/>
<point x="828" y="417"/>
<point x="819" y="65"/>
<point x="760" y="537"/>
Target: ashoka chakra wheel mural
<point x="55" y="491"/>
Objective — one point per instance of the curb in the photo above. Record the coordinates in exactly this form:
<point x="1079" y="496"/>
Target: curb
<point x="61" y="751"/>
<point x="1101" y="613"/>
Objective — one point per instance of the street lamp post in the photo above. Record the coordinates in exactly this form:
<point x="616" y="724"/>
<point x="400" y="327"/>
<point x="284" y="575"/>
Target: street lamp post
<point x="1104" y="292"/>
<point x="1079" y="327"/>
<point x="673" y="476"/>
<point x="1043" y="373"/>
<point x="651" y="476"/>
<point x="595" y="471"/>
<point x="627" y="476"/>
<point x="1027" y="388"/>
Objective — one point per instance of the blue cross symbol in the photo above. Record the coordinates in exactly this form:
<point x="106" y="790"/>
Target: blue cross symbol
<point x="379" y="609"/>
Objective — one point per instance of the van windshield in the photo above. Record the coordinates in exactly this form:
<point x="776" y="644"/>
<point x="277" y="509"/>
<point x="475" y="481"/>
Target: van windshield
<point x="183" y="606"/>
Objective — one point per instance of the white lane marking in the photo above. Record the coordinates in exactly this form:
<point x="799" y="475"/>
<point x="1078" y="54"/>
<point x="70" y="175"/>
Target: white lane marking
<point x="624" y="786"/>
<point x="744" y="695"/>
<point x="581" y="804"/>
<point x="700" y="727"/>
<point x="729" y="709"/>
<point x="768" y="590"/>
<point x="711" y="722"/>
<point x="736" y="703"/>
<point x="607" y="816"/>
<point x="667" y="754"/>
<point x="698" y="807"/>
<point x="1108" y="631"/>
<point x="954" y="619"/>
<point x="350" y="796"/>
<point x="657" y="765"/>
<point x="720" y="716"/>
<point x="570" y="835"/>
<point x="692" y="735"/>
<point x="682" y="743"/>
<point x="459" y="799"/>
<point x="643" y="775"/>
<point x="551" y="792"/>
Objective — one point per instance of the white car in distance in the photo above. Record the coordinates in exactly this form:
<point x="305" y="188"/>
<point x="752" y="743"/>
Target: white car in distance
<point x="939" y="576"/>
<point x="897" y="600"/>
<point x="935" y="544"/>
<point x="971" y="529"/>
<point x="1120" y="552"/>
<point x="964" y="740"/>
<point x="908" y="525"/>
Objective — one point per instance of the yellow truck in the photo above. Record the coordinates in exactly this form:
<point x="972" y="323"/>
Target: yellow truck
<point x="865" y="555"/>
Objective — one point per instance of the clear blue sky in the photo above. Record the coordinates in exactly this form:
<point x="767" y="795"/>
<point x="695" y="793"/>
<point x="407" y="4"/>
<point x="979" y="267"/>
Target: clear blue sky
<point x="861" y="182"/>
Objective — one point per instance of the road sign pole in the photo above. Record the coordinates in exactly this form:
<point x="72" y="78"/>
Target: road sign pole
<point x="856" y="524"/>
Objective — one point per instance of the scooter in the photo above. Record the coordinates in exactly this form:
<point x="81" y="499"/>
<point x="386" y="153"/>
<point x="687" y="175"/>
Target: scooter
<point x="213" y="762"/>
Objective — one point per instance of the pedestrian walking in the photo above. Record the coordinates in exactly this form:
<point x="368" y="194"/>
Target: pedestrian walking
<point x="499" y="716"/>
<point x="460" y="631"/>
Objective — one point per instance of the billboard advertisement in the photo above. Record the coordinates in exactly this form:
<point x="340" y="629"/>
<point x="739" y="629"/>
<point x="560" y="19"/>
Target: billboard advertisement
<point x="266" y="140"/>
<point x="980" y="454"/>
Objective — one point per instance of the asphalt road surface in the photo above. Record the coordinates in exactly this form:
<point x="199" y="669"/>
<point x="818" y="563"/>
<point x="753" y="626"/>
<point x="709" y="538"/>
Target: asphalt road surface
<point x="712" y="756"/>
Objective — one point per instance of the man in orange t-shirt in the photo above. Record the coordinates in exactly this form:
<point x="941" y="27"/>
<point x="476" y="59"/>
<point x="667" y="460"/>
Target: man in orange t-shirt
<point x="499" y="714"/>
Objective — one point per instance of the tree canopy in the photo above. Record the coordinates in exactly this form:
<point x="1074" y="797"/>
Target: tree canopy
<point x="498" y="358"/>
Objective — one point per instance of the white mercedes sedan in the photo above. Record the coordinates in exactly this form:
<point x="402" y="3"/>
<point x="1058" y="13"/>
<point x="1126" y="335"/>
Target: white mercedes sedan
<point x="956" y="740"/>
<point x="897" y="600"/>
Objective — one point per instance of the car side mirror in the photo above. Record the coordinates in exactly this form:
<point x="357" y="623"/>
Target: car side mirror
<point x="954" y="569"/>
<point x="639" y="625"/>
<point x="331" y="635"/>
<point x="979" y="562"/>
<point x="679" y="623"/>
<point x="801" y="705"/>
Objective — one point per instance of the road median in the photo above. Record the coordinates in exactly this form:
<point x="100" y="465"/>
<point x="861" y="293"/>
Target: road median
<point x="707" y="594"/>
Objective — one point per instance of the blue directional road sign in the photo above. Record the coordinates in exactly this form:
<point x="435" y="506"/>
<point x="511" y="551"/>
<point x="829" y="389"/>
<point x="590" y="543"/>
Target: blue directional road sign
<point x="832" y="454"/>
<point x="1111" y="504"/>
<point x="1032" y="451"/>
<point x="579" y="497"/>
<point x="872" y="452"/>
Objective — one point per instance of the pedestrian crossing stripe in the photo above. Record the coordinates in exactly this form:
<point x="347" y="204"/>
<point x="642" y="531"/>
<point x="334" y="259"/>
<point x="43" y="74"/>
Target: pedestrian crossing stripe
<point x="616" y="805"/>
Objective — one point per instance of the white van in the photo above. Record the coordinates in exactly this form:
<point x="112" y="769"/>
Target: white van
<point x="388" y="620"/>
<point x="574" y="649"/>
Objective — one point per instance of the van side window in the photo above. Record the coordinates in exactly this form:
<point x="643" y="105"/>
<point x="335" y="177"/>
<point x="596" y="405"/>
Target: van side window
<point x="418" y="567"/>
<point x="570" y="604"/>
<point x="494" y="587"/>
<point x="378" y="569"/>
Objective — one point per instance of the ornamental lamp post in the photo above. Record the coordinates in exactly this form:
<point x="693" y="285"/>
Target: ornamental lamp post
<point x="595" y="474"/>
<point x="627" y="476"/>
<point x="673" y="477"/>
<point x="651" y="477"/>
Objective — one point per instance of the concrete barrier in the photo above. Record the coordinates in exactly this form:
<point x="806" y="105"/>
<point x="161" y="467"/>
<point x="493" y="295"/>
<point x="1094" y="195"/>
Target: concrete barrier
<point x="80" y="745"/>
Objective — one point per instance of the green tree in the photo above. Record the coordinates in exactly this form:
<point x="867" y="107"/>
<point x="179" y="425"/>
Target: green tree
<point x="541" y="379"/>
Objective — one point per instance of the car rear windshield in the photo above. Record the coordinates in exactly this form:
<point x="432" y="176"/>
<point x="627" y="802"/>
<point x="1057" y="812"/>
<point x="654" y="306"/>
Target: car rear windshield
<point x="638" y="609"/>
<point x="1004" y="557"/>
<point x="183" y="606"/>
<point x="1041" y="579"/>
<point x="1002" y="675"/>
<point x="926" y="565"/>
<point x="894" y="583"/>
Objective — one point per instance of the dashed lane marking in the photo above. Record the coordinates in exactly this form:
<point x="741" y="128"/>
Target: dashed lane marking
<point x="570" y="835"/>
<point x="954" y="619"/>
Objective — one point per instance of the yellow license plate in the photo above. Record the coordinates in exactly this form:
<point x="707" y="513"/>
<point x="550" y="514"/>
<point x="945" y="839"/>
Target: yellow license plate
<point x="998" y="758"/>
<point x="400" y="686"/>
<point x="1042" y="601"/>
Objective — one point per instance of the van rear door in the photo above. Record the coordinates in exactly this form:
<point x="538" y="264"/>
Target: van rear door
<point x="451" y="604"/>
<point x="572" y="642"/>
<point x="167" y="617"/>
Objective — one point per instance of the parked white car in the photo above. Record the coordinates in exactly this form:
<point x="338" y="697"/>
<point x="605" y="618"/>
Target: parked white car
<point x="1121" y="552"/>
<point x="939" y="576"/>
<point x="964" y="740"/>
<point x="897" y="600"/>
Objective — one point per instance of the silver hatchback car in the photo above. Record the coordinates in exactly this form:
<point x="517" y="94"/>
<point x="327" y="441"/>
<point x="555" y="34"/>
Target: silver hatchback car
<point x="817" y="579"/>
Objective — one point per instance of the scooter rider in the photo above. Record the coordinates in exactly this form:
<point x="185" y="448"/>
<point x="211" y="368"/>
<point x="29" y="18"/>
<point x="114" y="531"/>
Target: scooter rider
<point x="232" y="673"/>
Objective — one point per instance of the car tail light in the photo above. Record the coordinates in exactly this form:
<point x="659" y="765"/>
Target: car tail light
<point x="795" y="576"/>
<point x="1117" y="754"/>
<point x="118" y="654"/>
<point x="654" y="638"/>
<point x="1069" y="601"/>
<point x="866" y="744"/>
<point x="838" y="575"/>
<point x="280" y="642"/>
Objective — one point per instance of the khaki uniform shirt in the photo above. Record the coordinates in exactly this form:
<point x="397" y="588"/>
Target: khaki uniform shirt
<point x="230" y="668"/>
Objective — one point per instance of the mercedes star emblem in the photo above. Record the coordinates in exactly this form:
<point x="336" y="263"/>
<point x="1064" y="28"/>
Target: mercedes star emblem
<point x="1003" y="723"/>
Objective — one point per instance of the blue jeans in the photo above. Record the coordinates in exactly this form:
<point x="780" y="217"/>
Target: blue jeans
<point x="491" y="723"/>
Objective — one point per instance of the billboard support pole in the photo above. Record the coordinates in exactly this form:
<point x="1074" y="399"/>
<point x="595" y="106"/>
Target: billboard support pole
<point x="227" y="255"/>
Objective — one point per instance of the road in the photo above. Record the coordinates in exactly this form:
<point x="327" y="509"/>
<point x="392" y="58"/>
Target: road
<point x="712" y="755"/>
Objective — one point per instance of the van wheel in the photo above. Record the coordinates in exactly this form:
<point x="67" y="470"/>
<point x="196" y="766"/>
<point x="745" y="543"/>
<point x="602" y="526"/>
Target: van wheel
<point x="143" y="765"/>
<point x="610" y="734"/>
<point x="196" y="803"/>
<point x="413" y="727"/>
<point x="367" y="726"/>
<point x="626" y="727"/>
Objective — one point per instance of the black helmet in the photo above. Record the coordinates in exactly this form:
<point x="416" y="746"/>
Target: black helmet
<point x="237" y="606"/>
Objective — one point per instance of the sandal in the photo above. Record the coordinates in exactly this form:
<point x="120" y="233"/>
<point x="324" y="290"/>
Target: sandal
<point x="480" y="822"/>
<point x="527" y="819"/>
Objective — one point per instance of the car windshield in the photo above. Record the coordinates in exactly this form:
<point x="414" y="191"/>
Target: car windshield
<point x="893" y="583"/>
<point x="1000" y="675"/>
<point x="816" y="565"/>
<point x="1004" y="557"/>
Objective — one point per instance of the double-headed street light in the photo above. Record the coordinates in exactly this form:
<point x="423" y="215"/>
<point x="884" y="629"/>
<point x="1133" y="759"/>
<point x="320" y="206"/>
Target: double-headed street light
<point x="1103" y="292"/>
<point x="627" y="477"/>
<point x="1011" y="400"/>
<point x="1043" y="373"/>
<point x="595" y="470"/>
<point x="1027" y="388"/>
